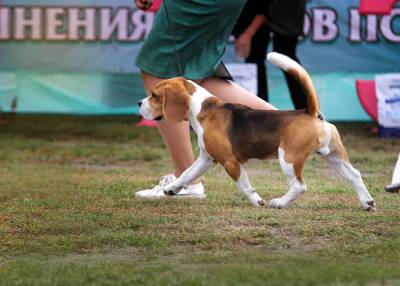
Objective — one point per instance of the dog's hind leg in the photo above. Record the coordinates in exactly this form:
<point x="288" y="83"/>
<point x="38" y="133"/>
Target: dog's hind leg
<point x="338" y="160"/>
<point x="347" y="171"/>
<point x="198" y="168"/>
<point x="238" y="173"/>
<point x="293" y="171"/>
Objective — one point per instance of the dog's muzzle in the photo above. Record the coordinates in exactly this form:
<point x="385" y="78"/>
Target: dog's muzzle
<point x="145" y="113"/>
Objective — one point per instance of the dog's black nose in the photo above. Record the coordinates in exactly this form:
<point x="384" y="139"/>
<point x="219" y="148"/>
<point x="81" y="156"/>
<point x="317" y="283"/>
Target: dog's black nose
<point x="140" y="103"/>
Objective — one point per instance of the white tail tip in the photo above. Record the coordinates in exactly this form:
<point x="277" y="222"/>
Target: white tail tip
<point x="282" y="61"/>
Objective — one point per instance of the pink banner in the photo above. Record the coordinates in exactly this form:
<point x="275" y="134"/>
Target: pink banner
<point x="376" y="6"/>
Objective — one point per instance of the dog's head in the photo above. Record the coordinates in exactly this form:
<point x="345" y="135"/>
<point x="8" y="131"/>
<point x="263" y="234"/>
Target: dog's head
<point x="170" y="100"/>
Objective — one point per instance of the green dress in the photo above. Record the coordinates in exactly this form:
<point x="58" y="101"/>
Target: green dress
<point x="200" y="28"/>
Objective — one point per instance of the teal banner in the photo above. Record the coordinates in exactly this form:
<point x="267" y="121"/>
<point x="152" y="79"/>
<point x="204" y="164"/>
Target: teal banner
<point x="77" y="57"/>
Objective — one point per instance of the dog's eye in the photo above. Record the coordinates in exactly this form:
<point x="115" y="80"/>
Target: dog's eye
<point x="153" y="95"/>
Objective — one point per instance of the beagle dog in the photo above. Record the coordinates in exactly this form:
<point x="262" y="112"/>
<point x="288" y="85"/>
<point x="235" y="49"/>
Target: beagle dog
<point x="231" y="134"/>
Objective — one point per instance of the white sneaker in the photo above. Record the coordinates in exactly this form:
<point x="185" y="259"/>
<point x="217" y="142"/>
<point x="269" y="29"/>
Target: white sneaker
<point x="192" y="191"/>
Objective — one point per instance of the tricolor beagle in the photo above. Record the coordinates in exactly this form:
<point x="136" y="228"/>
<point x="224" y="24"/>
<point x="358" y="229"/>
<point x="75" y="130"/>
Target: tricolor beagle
<point x="231" y="134"/>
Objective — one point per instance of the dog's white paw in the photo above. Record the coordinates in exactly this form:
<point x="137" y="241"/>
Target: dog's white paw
<point x="276" y="203"/>
<point x="369" y="206"/>
<point x="256" y="200"/>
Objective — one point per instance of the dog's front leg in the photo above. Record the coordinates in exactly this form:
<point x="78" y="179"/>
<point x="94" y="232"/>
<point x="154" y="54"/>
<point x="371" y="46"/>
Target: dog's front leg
<point x="198" y="168"/>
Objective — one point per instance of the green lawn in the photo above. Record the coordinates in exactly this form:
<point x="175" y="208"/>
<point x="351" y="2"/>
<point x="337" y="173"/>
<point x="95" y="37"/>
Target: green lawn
<point x="68" y="215"/>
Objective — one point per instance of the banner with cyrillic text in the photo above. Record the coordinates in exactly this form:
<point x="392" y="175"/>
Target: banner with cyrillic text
<point x="78" y="56"/>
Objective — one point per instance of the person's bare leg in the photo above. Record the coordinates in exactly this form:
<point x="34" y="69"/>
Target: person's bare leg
<point x="231" y="92"/>
<point x="176" y="136"/>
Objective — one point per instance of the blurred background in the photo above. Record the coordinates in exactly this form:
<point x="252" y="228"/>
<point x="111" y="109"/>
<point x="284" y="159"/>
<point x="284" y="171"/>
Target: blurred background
<point x="77" y="57"/>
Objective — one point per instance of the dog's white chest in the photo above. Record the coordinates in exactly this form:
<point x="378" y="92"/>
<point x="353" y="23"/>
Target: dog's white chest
<point x="196" y="101"/>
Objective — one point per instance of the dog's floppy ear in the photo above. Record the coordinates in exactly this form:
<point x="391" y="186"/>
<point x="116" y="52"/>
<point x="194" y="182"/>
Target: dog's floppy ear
<point x="189" y="87"/>
<point x="176" y="103"/>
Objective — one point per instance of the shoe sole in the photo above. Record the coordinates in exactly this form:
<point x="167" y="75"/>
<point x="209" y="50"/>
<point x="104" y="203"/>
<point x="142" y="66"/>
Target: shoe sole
<point x="395" y="188"/>
<point x="173" y="197"/>
<point x="190" y="196"/>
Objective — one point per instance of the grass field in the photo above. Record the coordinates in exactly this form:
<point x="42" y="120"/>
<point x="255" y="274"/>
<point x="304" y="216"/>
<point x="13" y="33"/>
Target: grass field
<point x="68" y="215"/>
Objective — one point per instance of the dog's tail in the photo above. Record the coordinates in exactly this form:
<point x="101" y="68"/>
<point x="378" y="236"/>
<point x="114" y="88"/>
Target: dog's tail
<point x="300" y="74"/>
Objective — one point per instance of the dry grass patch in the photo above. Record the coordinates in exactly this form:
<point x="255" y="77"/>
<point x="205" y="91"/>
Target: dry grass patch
<point x="68" y="215"/>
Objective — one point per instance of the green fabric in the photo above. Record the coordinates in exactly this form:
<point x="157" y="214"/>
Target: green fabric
<point x="114" y="94"/>
<point x="201" y="29"/>
<point x="70" y="93"/>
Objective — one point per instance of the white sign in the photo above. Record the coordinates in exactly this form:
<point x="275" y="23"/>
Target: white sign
<point x="244" y="75"/>
<point x="388" y="94"/>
